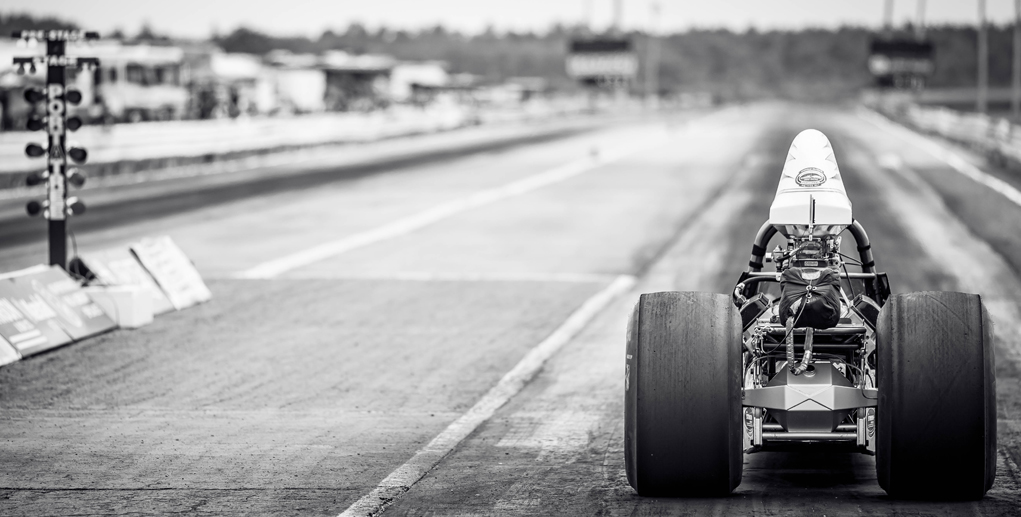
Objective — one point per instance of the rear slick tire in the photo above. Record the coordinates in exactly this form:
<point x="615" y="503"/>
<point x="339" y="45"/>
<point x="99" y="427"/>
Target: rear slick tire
<point x="936" y="419"/>
<point x="682" y="395"/>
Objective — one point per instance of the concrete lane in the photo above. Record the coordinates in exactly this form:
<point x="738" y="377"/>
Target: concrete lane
<point x="557" y="448"/>
<point x="297" y="395"/>
<point x="233" y="234"/>
<point x="611" y="220"/>
<point x="158" y="193"/>
<point x="120" y="207"/>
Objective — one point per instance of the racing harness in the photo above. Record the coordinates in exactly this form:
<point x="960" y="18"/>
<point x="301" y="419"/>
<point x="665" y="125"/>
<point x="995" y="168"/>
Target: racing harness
<point x="809" y="299"/>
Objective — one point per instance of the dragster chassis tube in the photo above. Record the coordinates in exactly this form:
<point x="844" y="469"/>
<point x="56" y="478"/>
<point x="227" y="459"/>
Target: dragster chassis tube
<point x="767" y="231"/>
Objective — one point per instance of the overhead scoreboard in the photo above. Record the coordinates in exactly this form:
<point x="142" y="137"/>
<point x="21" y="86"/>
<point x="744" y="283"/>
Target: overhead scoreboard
<point x="901" y="63"/>
<point x="604" y="60"/>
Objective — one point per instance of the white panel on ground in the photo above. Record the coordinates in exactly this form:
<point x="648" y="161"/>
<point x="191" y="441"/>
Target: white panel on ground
<point x="173" y="271"/>
<point x="27" y="322"/>
<point x="128" y="305"/>
<point x="119" y="267"/>
<point x="8" y="354"/>
<point x="74" y="311"/>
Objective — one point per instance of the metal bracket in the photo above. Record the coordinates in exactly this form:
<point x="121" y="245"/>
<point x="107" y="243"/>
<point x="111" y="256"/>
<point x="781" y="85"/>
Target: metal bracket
<point x="809" y="397"/>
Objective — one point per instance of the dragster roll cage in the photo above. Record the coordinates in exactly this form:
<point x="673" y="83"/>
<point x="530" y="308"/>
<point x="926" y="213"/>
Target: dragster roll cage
<point x="877" y="285"/>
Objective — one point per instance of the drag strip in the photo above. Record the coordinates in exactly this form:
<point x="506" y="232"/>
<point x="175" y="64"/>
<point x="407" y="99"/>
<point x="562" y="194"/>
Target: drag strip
<point x="474" y="364"/>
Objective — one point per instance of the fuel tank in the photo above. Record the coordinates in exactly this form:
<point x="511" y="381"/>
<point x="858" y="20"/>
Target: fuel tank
<point x="810" y="198"/>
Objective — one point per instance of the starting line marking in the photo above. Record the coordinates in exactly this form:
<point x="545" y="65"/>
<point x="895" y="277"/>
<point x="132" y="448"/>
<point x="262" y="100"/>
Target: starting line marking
<point x="946" y="156"/>
<point x="404" y="477"/>
<point x="406" y="225"/>
<point x="425" y="276"/>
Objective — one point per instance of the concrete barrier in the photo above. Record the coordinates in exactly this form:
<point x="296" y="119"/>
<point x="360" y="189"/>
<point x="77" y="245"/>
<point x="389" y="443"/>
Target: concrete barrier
<point x="204" y="138"/>
<point x="126" y="148"/>
<point x="995" y="136"/>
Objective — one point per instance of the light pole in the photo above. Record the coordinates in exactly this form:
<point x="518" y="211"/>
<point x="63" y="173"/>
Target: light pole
<point x="888" y="18"/>
<point x="1015" y="92"/>
<point x="920" y="29"/>
<point x="618" y="13"/>
<point x="982" y="96"/>
<point x="652" y="59"/>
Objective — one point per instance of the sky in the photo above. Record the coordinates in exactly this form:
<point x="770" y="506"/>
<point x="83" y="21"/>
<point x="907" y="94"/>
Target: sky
<point x="201" y="18"/>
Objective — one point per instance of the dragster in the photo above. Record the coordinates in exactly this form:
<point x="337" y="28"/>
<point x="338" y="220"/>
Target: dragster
<point x="810" y="356"/>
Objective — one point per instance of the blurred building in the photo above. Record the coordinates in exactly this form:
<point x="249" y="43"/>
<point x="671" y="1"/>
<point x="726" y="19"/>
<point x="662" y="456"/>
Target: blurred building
<point x="418" y="81"/>
<point x="155" y="81"/>
<point x="300" y="86"/>
<point x="510" y="93"/>
<point x="223" y="85"/>
<point x="133" y="82"/>
<point x="356" y="82"/>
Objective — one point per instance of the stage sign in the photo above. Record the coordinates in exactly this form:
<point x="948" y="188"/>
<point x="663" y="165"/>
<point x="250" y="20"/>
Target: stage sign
<point x="601" y="58"/>
<point x="118" y="266"/>
<point x="172" y="270"/>
<point x="899" y="63"/>
<point x="74" y="311"/>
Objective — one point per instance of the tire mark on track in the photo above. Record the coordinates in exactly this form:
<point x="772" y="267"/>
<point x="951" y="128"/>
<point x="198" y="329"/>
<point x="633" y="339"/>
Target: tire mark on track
<point x="424" y="276"/>
<point x="954" y="160"/>
<point x="947" y="241"/>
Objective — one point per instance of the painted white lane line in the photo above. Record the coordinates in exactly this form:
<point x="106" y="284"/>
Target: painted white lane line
<point x="952" y="159"/>
<point x="426" y="276"/>
<point x="404" y="477"/>
<point x="443" y="211"/>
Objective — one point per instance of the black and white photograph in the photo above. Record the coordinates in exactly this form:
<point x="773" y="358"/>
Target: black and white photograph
<point x="510" y="258"/>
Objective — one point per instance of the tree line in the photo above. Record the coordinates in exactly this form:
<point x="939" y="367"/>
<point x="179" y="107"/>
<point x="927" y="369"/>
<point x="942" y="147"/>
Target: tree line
<point x="810" y="64"/>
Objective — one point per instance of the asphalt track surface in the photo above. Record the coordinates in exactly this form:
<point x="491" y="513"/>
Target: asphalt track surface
<point x="300" y="389"/>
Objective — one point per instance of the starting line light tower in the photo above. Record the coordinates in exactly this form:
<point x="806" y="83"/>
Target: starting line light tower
<point x="57" y="207"/>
